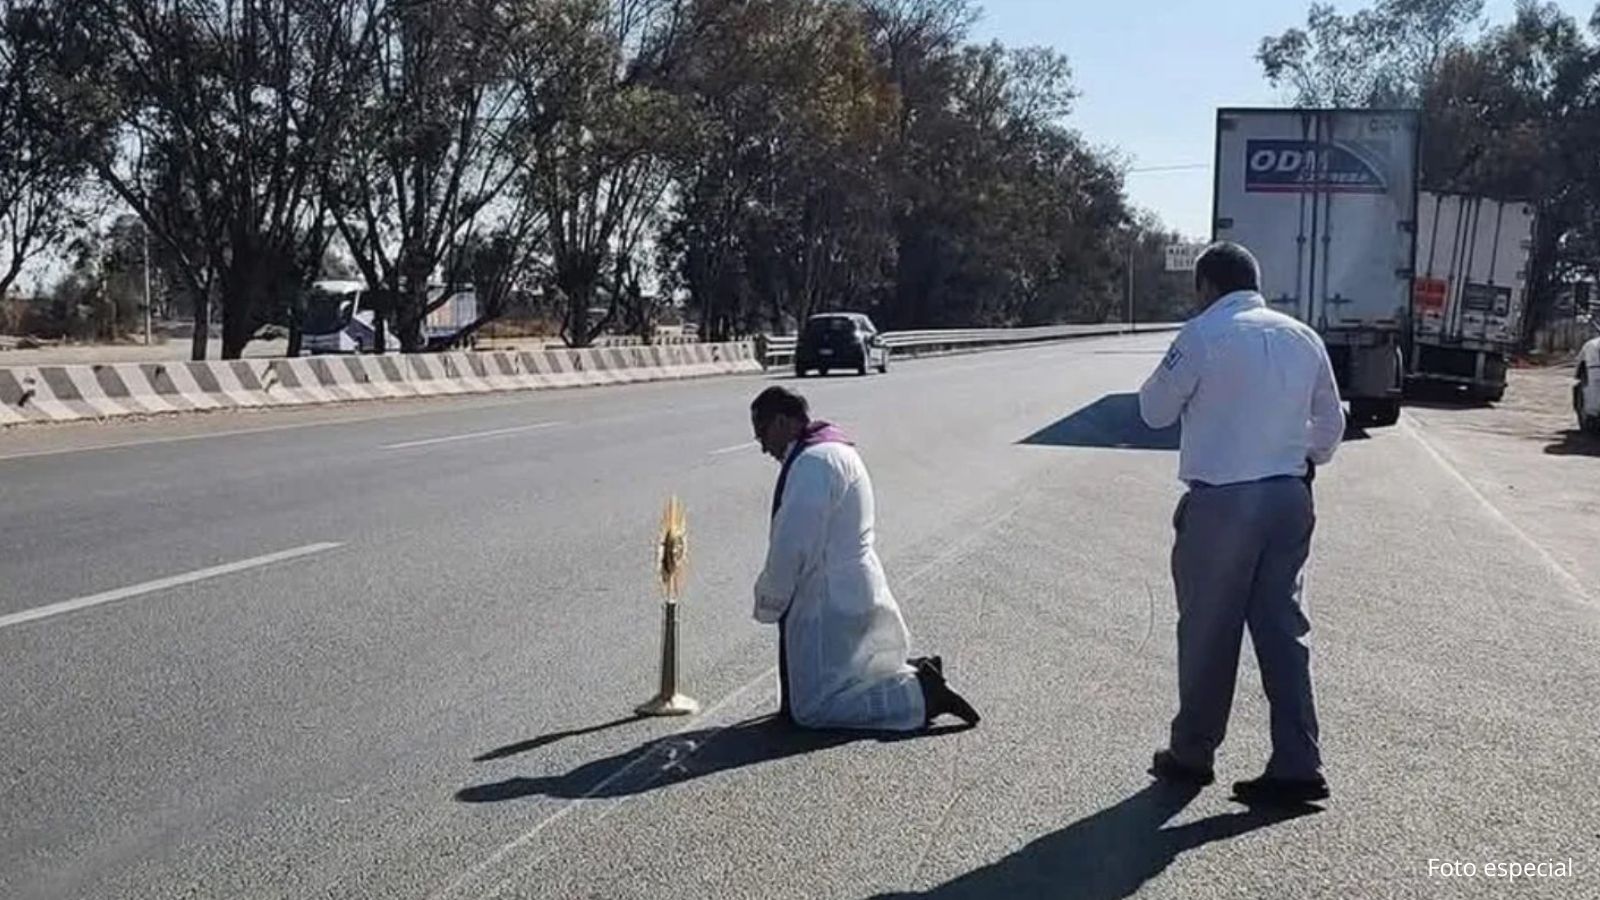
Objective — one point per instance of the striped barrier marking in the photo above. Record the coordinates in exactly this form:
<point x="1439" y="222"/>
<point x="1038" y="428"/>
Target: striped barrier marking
<point x="169" y="385"/>
<point x="514" y="369"/>
<point x="319" y="372"/>
<point x="298" y="383"/>
<point x="90" y="393"/>
<point x="342" y="388"/>
<point x="551" y="367"/>
<point x="471" y="369"/>
<point x="13" y="397"/>
<point x="58" y="381"/>
<point x="236" y="381"/>
<point x="66" y="393"/>
<point x="314" y="373"/>
<point x="37" y="394"/>
<point x="280" y="384"/>
<point x="182" y="379"/>
<point x="352" y="372"/>
<point x="390" y="371"/>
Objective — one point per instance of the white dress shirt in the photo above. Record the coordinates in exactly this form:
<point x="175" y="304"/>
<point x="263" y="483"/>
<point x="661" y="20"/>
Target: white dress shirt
<point x="1254" y="390"/>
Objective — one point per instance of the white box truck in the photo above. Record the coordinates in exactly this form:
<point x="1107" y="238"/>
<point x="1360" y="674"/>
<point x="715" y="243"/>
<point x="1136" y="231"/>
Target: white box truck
<point x="1470" y="290"/>
<point x="453" y="308"/>
<point x="1327" y="201"/>
<point x="341" y="317"/>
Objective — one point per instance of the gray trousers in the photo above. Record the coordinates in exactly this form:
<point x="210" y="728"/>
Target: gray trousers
<point x="1238" y="562"/>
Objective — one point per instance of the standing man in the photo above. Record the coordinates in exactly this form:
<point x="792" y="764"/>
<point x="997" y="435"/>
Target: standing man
<point x="1255" y="392"/>
<point x="842" y="643"/>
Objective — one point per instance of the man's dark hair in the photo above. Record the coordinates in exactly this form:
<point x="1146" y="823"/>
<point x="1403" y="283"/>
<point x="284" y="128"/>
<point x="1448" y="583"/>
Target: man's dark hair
<point x="1228" y="267"/>
<point x="779" y="401"/>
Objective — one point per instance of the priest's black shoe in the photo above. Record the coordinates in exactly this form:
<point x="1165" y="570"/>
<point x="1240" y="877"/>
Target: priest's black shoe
<point x="937" y="697"/>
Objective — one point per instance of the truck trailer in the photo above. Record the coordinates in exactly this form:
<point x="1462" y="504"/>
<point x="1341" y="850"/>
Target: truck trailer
<point x="342" y="317"/>
<point x="1470" y="290"/>
<point x="1327" y="201"/>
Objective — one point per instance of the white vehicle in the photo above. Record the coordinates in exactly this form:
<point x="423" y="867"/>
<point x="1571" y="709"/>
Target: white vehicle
<point x="341" y="317"/>
<point x="1586" y="391"/>
<point x="1470" y="290"/>
<point x="338" y="318"/>
<point x="1327" y="201"/>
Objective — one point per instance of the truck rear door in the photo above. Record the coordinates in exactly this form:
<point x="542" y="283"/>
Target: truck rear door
<point x="1472" y="259"/>
<point x="1327" y="202"/>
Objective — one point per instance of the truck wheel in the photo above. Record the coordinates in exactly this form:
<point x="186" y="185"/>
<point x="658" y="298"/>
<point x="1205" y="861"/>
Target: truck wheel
<point x="1375" y="413"/>
<point x="1586" y="423"/>
<point x="1495" y="394"/>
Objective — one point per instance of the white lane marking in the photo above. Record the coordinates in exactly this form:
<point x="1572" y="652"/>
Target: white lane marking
<point x="1572" y="581"/>
<point x="695" y="723"/>
<point x="747" y="445"/>
<point x="471" y="436"/>
<point x="150" y="587"/>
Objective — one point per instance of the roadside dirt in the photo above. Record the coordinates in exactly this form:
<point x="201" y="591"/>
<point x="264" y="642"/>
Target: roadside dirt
<point x="90" y="354"/>
<point x="1527" y="459"/>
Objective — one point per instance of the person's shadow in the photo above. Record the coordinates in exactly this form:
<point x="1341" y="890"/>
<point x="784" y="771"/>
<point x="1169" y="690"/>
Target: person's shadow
<point x="680" y="757"/>
<point x="1575" y="443"/>
<point x="1109" y="855"/>
<point x="1112" y="422"/>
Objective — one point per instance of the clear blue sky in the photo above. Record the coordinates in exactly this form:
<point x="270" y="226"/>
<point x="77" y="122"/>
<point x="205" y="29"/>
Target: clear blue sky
<point x="1153" y="72"/>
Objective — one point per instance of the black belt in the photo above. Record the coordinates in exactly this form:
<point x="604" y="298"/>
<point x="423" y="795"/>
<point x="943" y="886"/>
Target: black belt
<point x="1306" y="478"/>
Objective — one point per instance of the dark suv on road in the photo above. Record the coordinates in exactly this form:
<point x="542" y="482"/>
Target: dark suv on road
<point x="840" y="341"/>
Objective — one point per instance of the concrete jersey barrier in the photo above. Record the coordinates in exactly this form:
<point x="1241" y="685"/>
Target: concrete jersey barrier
<point x="73" y="392"/>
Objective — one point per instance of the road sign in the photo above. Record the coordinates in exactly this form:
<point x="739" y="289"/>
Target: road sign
<point x="1181" y="257"/>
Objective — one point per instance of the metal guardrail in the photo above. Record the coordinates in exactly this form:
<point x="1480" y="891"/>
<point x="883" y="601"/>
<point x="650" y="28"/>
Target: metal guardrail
<point x="781" y="347"/>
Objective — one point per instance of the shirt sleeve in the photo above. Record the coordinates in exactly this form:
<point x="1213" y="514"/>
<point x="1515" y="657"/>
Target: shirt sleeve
<point x="1168" y="389"/>
<point x="809" y="497"/>
<point x="1327" y="411"/>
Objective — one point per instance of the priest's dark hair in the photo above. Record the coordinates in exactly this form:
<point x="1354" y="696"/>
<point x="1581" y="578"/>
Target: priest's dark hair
<point x="779" y="401"/>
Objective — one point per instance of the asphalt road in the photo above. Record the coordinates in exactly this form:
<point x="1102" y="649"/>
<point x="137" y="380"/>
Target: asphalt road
<point x="432" y="699"/>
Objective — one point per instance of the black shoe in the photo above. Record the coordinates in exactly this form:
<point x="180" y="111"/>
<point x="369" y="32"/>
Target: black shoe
<point x="937" y="697"/>
<point x="1269" y="791"/>
<point x="1166" y="767"/>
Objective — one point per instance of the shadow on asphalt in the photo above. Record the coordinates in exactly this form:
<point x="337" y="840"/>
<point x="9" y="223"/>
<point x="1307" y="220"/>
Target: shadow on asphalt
<point x="1109" y="855"/>
<point x="682" y="757"/>
<point x="1575" y="443"/>
<point x="545" y="740"/>
<point x="1442" y="395"/>
<point x="1112" y="422"/>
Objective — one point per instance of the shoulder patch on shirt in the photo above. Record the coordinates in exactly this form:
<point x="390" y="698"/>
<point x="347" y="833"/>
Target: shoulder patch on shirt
<point x="1172" y="359"/>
